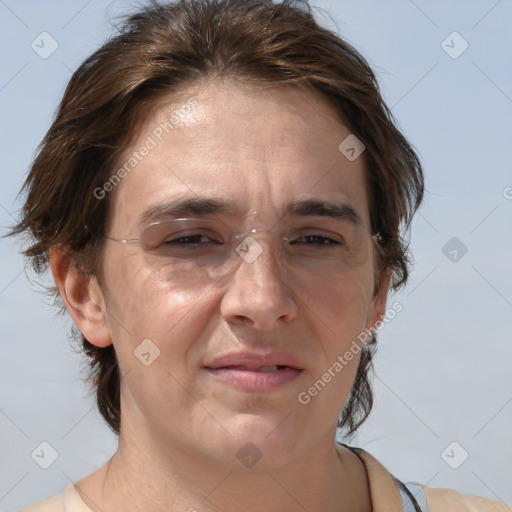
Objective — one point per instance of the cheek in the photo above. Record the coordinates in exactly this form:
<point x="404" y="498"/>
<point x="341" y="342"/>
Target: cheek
<point x="142" y="307"/>
<point x="155" y="332"/>
<point x="340" y="303"/>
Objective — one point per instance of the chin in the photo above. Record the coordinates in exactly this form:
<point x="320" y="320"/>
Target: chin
<point x="261" y="442"/>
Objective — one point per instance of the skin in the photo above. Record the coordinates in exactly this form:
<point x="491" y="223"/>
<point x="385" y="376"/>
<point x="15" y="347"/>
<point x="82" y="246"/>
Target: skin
<point x="260" y="148"/>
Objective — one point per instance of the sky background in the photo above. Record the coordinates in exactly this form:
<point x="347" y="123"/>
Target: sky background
<point x="443" y="365"/>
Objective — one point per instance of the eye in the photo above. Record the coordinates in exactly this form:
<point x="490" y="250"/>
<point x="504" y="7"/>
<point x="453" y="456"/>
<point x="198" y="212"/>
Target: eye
<point x="173" y="238"/>
<point x="191" y="242"/>
<point x="193" y="239"/>
<point x="188" y="244"/>
<point x="316" y="240"/>
<point x="181" y="234"/>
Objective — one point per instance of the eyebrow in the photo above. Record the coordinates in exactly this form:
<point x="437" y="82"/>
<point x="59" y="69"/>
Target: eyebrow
<point x="203" y="206"/>
<point x="195" y="206"/>
<point x="310" y="207"/>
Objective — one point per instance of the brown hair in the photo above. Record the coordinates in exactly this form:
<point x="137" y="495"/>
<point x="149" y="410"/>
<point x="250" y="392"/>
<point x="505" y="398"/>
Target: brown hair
<point x="159" y="51"/>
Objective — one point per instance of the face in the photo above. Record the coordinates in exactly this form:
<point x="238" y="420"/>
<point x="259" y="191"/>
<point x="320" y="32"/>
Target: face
<point x="239" y="158"/>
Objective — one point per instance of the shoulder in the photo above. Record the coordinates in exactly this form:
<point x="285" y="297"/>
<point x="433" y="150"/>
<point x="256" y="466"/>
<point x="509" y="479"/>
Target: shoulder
<point x="54" y="504"/>
<point x="385" y="488"/>
<point x="68" y="501"/>
<point x="448" y="499"/>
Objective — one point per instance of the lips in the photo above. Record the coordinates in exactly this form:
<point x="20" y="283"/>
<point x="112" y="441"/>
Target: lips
<point x="253" y="372"/>
<point x="272" y="368"/>
<point x="251" y="361"/>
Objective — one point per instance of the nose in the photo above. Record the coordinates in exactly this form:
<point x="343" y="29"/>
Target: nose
<point x="258" y="292"/>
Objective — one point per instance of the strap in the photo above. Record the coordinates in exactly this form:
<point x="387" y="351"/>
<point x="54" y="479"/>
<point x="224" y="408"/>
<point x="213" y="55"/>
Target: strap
<point x="412" y="493"/>
<point x="419" y="495"/>
<point x="413" y="497"/>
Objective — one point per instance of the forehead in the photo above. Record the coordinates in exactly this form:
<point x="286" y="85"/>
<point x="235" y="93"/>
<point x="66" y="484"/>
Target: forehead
<point x="259" y="148"/>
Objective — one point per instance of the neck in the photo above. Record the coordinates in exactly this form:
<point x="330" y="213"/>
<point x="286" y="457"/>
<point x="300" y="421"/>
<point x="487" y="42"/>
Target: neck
<point x="142" y="476"/>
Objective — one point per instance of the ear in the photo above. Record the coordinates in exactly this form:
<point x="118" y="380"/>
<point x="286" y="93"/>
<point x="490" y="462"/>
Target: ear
<point x="82" y="296"/>
<point x="377" y="308"/>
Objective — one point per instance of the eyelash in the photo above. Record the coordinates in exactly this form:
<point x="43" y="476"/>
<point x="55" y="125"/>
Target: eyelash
<point x="324" y="240"/>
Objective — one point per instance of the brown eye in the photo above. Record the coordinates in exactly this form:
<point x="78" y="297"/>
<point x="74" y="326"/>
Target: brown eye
<point x="189" y="239"/>
<point x="315" y="240"/>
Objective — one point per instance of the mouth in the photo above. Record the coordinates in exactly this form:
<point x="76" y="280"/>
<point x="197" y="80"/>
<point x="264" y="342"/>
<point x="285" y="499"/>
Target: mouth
<point x="254" y="368"/>
<point x="255" y="378"/>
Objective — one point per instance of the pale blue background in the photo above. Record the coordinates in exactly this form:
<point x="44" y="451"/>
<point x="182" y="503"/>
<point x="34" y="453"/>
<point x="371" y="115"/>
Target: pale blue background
<point x="444" y="363"/>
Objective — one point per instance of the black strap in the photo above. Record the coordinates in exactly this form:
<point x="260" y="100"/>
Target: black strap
<point x="400" y="485"/>
<point x="408" y="493"/>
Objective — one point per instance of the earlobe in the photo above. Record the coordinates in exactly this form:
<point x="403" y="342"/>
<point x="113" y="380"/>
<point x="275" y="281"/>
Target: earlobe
<point x="82" y="296"/>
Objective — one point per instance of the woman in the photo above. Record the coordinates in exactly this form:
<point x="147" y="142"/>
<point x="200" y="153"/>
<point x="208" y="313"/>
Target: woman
<point x="220" y="201"/>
